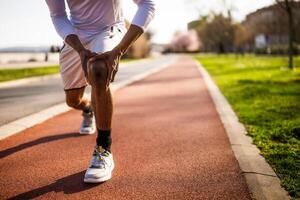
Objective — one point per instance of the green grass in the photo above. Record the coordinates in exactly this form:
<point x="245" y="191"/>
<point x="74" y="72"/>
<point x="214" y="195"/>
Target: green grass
<point x="127" y="60"/>
<point x="12" y="74"/>
<point x="266" y="97"/>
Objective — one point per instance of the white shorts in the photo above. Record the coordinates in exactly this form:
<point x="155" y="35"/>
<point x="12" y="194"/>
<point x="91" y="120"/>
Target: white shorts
<point x="70" y="65"/>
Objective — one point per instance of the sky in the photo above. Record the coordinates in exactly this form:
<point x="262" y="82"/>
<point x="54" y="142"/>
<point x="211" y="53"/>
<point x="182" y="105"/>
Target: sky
<point x="28" y="23"/>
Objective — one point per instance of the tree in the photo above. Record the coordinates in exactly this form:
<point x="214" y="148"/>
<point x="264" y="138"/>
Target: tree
<point x="185" y="41"/>
<point x="287" y="6"/>
<point x="241" y="37"/>
<point x="217" y="34"/>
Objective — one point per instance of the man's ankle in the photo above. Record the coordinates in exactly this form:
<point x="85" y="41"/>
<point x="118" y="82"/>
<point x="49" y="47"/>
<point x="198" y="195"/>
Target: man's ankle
<point x="87" y="109"/>
<point x="104" y="139"/>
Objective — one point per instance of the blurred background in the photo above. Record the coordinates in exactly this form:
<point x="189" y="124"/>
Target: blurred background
<point x="221" y="26"/>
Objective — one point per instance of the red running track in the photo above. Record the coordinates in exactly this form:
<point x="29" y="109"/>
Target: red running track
<point x="168" y="143"/>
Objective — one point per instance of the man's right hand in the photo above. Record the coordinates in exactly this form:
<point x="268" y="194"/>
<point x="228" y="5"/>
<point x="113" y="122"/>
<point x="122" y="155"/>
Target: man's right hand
<point x="85" y="55"/>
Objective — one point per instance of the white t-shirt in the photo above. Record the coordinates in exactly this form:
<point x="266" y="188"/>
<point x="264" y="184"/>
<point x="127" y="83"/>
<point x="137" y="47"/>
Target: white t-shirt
<point x="89" y="17"/>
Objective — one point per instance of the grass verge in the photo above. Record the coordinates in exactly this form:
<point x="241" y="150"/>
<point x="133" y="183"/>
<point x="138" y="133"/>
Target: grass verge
<point x="266" y="97"/>
<point x="18" y="73"/>
<point x="12" y="74"/>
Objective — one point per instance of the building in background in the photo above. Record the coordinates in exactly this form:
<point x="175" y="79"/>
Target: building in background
<point x="263" y="31"/>
<point x="267" y="29"/>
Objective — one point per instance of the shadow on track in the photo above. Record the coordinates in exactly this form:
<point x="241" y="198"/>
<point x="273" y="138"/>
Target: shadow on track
<point x="69" y="185"/>
<point x="42" y="140"/>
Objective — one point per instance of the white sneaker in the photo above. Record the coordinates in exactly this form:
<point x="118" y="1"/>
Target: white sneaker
<point x="101" y="166"/>
<point x="88" y="125"/>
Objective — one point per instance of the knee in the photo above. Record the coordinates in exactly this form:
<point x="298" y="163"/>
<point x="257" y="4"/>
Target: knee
<point x="98" y="74"/>
<point x="73" y="102"/>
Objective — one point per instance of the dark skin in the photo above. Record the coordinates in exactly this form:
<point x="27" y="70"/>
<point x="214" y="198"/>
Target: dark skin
<point x="111" y="58"/>
<point x="101" y="94"/>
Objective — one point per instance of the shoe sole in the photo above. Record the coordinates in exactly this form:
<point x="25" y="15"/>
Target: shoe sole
<point x="98" y="180"/>
<point x="102" y="179"/>
<point x="87" y="133"/>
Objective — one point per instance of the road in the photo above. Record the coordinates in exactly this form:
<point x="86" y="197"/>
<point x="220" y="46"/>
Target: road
<point x="17" y="102"/>
<point x="168" y="143"/>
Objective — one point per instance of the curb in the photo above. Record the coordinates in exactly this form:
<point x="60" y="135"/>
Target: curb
<point x="41" y="116"/>
<point x="31" y="120"/>
<point x="261" y="179"/>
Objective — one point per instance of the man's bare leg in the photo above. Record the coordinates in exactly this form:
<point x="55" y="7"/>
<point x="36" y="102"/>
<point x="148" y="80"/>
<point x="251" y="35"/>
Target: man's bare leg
<point x="102" y="163"/>
<point x="102" y="102"/>
<point x="75" y="99"/>
<point x="100" y="71"/>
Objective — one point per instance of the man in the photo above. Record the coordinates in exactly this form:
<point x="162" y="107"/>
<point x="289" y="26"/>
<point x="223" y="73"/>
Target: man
<point x="95" y="38"/>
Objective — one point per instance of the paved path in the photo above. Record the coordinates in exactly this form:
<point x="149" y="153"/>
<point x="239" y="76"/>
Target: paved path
<point x="17" y="102"/>
<point x="168" y="143"/>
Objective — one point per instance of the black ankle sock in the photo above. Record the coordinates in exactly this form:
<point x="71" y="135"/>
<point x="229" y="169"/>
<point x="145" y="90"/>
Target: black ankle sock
<point x="88" y="109"/>
<point x="104" y="139"/>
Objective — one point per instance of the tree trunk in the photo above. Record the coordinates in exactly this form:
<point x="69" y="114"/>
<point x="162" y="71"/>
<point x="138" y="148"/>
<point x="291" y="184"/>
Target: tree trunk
<point x="291" y="34"/>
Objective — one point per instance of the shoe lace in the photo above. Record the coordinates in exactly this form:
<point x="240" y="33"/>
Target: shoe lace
<point x="98" y="159"/>
<point x="87" y="119"/>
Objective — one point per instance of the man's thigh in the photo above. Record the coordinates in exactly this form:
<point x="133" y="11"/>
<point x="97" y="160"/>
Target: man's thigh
<point x="71" y="69"/>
